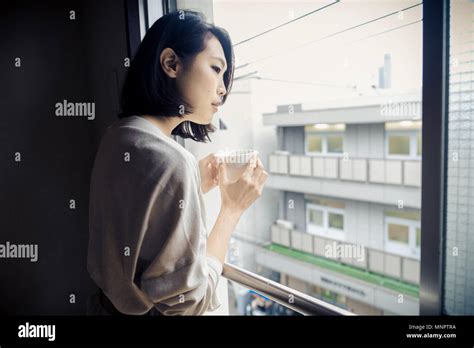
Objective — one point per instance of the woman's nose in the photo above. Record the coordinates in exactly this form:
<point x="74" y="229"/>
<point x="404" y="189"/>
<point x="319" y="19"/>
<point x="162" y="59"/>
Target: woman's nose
<point x="221" y="90"/>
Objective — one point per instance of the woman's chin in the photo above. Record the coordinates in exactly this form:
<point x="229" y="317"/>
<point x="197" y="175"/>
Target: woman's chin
<point x="203" y="120"/>
<point x="207" y="121"/>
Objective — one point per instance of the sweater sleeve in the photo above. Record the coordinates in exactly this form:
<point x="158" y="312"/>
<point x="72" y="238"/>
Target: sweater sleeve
<point x="181" y="278"/>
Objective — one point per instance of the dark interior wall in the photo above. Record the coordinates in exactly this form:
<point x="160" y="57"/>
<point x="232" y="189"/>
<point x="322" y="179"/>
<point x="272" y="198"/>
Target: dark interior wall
<point x="78" y="60"/>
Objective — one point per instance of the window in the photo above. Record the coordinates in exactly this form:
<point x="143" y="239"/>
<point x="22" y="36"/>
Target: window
<point x="403" y="139"/>
<point x="336" y="221"/>
<point x="403" y="233"/>
<point x="399" y="145"/>
<point x="335" y="143"/>
<point x="325" y="220"/>
<point x="324" y="139"/>
<point x="328" y="118"/>
<point x="316" y="217"/>
<point x="398" y="233"/>
<point x="315" y="143"/>
<point x="458" y="281"/>
<point x="327" y="144"/>
<point x="418" y="237"/>
<point x="418" y="146"/>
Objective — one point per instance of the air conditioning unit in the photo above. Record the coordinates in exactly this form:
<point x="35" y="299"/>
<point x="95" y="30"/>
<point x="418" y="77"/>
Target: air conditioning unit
<point x="289" y="225"/>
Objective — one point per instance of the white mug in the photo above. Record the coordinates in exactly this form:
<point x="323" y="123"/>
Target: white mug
<point x="236" y="161"/>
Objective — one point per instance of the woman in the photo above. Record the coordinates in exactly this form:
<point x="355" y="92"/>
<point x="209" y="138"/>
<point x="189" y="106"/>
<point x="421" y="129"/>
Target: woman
<point x="149" y="248"/>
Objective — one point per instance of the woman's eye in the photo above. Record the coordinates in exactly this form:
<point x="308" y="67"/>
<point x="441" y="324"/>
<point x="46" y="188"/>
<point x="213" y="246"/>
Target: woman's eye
<point x="217" y="69"/>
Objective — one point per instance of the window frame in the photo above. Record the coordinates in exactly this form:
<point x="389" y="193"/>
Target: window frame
<point x="413" y="134"/>
<point x="435" y="38"/>
<point x="325" y="231"/>
<point x="324" y="144"/>
<point x="411" y="250"/>
<point x="435" y="95"/>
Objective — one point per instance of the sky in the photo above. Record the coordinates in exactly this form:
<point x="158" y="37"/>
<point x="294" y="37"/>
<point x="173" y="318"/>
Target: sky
<point x="328" y="68"/>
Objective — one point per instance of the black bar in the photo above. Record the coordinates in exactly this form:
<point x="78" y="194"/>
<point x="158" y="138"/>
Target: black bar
<point x="221" y="330"/>
<point x="434" y="160"/>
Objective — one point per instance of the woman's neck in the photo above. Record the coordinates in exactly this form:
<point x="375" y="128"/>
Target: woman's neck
<point x="165" y="124"/>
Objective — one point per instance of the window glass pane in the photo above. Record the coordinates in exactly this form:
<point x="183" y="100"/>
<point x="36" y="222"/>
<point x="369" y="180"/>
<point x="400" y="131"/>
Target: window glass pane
<point x="398" y="233"/>
<point x="315" y="143"/>
<point x="418" y="144"/>
<point x="315" y="106"/>
<point x="316" y="217"/>
<point x="418" y="237"/>
<point x="335" y="143"/>
<point x="459" y="267"/>
<point x="336" y="221"/>
<point x="399" y="145"/>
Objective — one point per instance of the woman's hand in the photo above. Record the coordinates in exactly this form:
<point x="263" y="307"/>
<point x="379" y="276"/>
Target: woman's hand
<point x="208" y="170"/>
<point x="238" y="195"/>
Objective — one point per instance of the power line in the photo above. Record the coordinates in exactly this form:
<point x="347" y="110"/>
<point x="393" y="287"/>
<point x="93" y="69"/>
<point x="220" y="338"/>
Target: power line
<point x="249" y="75"/>
<point x="286" y="23"/>
<point x="245" y="76"/>
<point x="387" y="31"/>
<point x="303" y="82"/>
<point x="329" y="36"/>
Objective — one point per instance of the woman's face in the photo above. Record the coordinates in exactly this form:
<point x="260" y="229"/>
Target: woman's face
<point x="202" y="82"/>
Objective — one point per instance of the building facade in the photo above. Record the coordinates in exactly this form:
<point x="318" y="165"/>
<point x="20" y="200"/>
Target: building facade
<point x="349" y="179"/>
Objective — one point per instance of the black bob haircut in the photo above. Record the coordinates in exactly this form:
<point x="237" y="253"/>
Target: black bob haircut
<point x="149" y="91"/>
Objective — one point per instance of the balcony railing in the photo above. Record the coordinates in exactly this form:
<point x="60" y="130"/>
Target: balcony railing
<point x="388" y="264"/>
<point x="364" y="170"/>
<point x="281" y="294"/>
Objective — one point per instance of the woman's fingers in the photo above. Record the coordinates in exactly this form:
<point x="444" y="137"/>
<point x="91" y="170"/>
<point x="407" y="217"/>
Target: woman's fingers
<point x="222" y="173"/>
<point x="258" y="170"/>
<point x="248" y="170"/>
<point x="262" y="178"/>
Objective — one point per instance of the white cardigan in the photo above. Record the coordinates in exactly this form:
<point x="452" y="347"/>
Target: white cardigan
<point x="147" y="229"/>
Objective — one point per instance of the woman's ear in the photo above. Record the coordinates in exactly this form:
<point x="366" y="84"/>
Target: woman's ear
<point x="169" y="62"/>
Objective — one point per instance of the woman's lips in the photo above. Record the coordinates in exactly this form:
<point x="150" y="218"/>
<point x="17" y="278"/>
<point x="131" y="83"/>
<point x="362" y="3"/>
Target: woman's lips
<point x="215" y="107"/>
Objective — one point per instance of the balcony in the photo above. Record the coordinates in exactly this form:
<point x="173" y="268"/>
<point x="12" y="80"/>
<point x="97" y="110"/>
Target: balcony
<point x="379" y="262"/>
<point x="364" y="179"/>
<point x="381" y="279"/>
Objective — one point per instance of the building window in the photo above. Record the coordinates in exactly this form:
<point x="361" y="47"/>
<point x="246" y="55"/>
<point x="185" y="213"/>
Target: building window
<point x="398" y="233"/>
<point x="324" y="139"/>
<point x="418" y="237"/>
<point x="399" y="145"/>
<point x="403" y="233"/>
<point x="316" y="217"/>
<point x="335" y="143"/>
<point x="314" y="143"/>
<point x="336" y="221"/>
<point x="403" y="139"/>
<point x="325" y="219"/>
<point x="418" y="146"/>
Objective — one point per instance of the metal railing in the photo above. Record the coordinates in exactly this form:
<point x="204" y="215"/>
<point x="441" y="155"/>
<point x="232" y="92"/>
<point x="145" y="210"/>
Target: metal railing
<point x="281" y="294"/>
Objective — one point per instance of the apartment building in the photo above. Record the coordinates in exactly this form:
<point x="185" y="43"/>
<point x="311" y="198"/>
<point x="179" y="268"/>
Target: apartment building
<point x="348" y="175"/>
